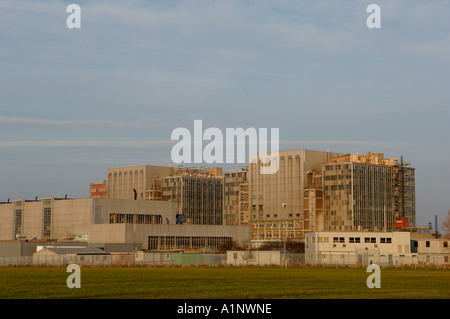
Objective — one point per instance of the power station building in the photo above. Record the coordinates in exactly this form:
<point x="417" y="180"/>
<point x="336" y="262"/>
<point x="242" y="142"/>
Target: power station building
<point x="161" y="207"/>
<point x="196" y="192"/>
<point x="148" y="224"/>
<point x="368" y="192"/>
<point x="268" y="193"/>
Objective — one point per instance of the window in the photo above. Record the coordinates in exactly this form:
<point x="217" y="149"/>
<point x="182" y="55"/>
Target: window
<point x="135" y="219"/>
<point x="18" y="222"/>
<point x="47" y="222"/>
<point x="366" y="239"/>
<point x="341" y="239"/>
<point x="427" y="244"/>
<point x="335" y="240"/>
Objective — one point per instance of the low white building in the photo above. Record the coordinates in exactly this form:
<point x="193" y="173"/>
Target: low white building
<point x="359" y="248"/>
<point x="254" y="258"/>
<point x="431" y="250"/>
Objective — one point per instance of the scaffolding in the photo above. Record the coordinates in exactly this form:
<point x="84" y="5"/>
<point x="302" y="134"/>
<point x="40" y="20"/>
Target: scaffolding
<point x="404" y="195"/>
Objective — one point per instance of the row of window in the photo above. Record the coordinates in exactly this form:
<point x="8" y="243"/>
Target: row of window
<point x="355" y="240"/>
<point x="186" y="242"/>
<point x="275" y="225"/>
<point x="276" y="215"/>
<point x="135" y="219"/>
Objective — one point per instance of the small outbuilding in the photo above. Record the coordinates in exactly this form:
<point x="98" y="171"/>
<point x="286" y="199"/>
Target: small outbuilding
<point x="64" y="255"/>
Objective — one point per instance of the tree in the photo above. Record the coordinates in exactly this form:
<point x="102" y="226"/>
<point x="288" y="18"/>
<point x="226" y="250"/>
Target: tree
<point x="292" y="246"/>
<point x="229" y="245"/>
<point x="446" y="226"/>
<point x="248" y="257"/>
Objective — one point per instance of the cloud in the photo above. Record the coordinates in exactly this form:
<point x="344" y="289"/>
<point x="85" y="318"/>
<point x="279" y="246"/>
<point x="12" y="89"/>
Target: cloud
<point x="139" y="124"/>
<point x="87" y="144"/>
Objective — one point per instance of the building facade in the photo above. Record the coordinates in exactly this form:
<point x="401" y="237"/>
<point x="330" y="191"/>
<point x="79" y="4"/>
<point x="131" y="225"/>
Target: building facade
<point x="147" y="224"/>
<point x="98" y="190"/>
<point x="196" y="192"/>
<point x="268" y="193"/>
<point x="367" y="192"/>
<point x="132" y="182"/>
<point x="359" y="248"/>
<point x="234" y="197"/>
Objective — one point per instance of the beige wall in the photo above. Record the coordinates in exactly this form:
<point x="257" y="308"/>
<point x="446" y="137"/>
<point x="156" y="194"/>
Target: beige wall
<point x="89" y="219"/>
<point x="121" y="181"/>
<point x="75" y="216"/>
<point x="268" y="192"/>
<point x="6" y="221"/>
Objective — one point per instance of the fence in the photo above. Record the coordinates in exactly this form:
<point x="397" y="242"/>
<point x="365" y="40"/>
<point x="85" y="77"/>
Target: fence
<point x="326" y="258"/>
<point x="140" y="258"/>
<point x="82" y="260"/>
<point x="186" y="259"/>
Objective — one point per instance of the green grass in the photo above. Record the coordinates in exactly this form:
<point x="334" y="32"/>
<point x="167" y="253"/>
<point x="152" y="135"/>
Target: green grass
<point x="223" y="283"/>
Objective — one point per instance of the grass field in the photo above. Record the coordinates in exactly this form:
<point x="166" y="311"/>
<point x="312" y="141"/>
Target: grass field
<point x="222" y="283"/>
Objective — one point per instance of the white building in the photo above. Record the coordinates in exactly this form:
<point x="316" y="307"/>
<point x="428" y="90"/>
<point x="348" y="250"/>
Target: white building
<point x="431" y="250"/>
<point x="254" y="258"/>
<point x="359" y="248"/>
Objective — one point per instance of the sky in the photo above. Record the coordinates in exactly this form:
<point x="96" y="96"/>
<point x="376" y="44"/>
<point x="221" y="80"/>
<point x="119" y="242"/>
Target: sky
<point x="74" y="102"/>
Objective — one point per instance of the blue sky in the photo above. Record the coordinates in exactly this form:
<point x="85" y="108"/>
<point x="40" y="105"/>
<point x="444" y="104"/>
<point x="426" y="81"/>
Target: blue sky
<point x="74" y="102"/>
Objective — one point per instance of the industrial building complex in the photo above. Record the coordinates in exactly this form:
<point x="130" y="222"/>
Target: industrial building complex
<point x="344" y="208"/>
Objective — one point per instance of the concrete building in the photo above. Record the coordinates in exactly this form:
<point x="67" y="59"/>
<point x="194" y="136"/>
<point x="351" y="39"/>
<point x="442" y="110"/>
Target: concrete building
<point x="313" y="201"/>
<point x="367" y="192"/>
<point x="145" y="224"/>
<point x="359" y="248"/>
<point x="267" y="193"/>
<point x="431" y="250"/>
<point x="132" y="182"/>
<point x="234" y="197"/>
<point x="244" y="204"/>
<point x="196" y="192"/>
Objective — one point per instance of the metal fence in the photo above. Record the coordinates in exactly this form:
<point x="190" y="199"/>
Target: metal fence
<point x="186" y="259"/>
<point x="362" y="259"/>
<point x="87" y="260"/>
<point x="142" y="259"/>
